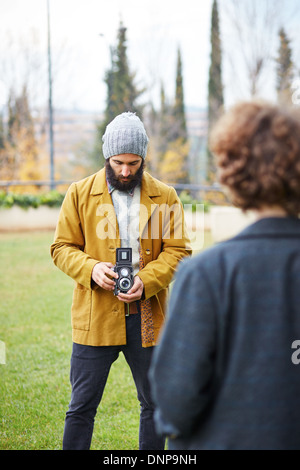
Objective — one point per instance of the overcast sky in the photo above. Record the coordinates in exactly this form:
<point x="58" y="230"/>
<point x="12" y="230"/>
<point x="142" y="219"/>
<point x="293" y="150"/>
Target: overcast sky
<point x="83" y="30"/>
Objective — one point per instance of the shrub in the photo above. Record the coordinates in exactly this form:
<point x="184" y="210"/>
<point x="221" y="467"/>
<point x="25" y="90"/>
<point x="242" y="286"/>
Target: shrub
<point x="186" y="198"/>
<point x="51" y="199"/>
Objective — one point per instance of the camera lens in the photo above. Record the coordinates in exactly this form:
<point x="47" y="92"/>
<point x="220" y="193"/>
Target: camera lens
<point x="124" y="272"/>
<point x="125" y="284"/>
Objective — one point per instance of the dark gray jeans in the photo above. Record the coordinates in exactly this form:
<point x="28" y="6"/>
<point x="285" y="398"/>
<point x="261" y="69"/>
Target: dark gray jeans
<point x="90" y="366"/>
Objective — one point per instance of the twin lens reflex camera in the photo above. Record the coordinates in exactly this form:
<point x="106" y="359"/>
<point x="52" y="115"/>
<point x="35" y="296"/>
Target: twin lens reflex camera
<point x="124" y="269"/>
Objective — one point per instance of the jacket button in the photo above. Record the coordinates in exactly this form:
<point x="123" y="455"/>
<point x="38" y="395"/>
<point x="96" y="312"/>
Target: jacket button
<point x="148" y="252"/>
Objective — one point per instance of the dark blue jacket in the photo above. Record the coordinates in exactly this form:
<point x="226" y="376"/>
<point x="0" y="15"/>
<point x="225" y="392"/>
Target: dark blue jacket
<point x="225" y="374"/>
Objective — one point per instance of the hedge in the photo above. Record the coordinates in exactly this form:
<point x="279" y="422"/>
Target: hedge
<point x="55" y="199"/>
<point x="50" y="199"/>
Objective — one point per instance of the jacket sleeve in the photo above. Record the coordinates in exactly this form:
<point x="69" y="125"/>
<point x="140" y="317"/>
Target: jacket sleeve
<point x="67" y="249"/>
<point x="183" y="365"/>
<point x="175" y="245"/>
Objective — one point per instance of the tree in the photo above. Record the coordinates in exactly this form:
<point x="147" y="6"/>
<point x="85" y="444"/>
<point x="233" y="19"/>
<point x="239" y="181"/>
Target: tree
<point x="125" y="92"/>
<point x="164" y="125"/>
<point x="159" y="128"/>
<point x="179" y="111"/>
<point x="284" y="69"/>
<point x="122" y="93"/>
<point x="173" y="167"/>
<point x="19" y="154"/>
<point x="173" y="134"/>
<point x="252" y="27"/>
<point x="215" y="85"/>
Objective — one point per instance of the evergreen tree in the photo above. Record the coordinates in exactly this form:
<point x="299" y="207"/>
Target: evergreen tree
<point x="165" y="123"/>
<point x="179" y="111"/>
<point x="174" y="161"/>
<point x="122" y="93"/>
<point x="125" y="91"/>
<point x="284" y="69"/>
<point x="215" y="86"/>
<point x="110" y="111"/>
<point x="159" y="125"/>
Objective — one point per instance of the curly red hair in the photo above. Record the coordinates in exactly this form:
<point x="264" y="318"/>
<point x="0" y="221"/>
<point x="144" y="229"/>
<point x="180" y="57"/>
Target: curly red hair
<point x="257" y="147"/>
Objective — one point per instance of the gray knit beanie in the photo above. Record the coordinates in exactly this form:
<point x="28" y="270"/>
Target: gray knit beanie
<point x="125" y="134"/>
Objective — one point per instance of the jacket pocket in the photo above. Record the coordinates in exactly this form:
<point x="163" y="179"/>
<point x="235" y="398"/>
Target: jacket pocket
<point x="81" y="309"/>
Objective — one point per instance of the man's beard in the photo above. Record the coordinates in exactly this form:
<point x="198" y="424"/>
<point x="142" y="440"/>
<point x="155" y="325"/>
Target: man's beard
<point x="134" y="180"/>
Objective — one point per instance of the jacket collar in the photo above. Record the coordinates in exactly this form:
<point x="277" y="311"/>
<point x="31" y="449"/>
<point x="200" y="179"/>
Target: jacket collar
<point x="149" y="188"/>
<point x="149" y="184"/>
<point x="274" y="227"/>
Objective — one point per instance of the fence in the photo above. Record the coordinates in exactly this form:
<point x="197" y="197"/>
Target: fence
<point x="47" y="183"/>
<point x="53" y="184"/>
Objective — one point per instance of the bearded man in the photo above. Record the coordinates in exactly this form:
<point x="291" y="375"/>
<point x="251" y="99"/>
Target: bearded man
<point x="121" y="206"/>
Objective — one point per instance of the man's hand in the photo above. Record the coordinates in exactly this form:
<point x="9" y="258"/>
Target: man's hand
<point x="135" y="293"/>
<point x="102" y="274"/>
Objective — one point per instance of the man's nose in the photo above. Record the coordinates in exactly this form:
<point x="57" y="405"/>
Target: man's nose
<point x="125" y="171"/>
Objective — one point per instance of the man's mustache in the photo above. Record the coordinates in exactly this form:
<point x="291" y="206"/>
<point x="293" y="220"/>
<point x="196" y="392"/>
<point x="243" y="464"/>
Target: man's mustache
<point x="116" y="181"/>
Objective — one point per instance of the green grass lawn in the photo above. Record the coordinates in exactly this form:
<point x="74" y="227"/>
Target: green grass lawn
<point x="34" y="382"/>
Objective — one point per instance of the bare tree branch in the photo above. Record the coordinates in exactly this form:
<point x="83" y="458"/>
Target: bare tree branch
<point x="252" y="26"/>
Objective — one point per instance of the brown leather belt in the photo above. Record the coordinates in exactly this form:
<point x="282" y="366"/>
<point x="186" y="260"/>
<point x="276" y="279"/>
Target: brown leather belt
<point x="133" y="308"/>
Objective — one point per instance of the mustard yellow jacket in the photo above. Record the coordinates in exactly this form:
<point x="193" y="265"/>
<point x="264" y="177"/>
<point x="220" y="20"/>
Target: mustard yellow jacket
<point x="87" y="232"/>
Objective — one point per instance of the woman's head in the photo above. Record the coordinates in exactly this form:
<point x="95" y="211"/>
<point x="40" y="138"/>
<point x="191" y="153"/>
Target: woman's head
<point x="257" y="147"/>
